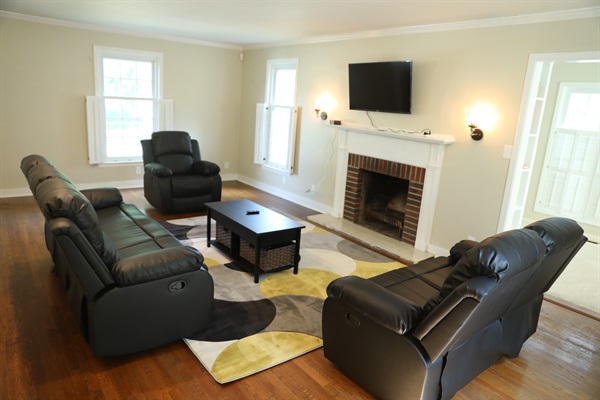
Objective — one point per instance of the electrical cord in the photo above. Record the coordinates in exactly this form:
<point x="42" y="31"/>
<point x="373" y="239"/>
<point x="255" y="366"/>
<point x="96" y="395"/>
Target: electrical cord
<point x="425" y="131"/>
<point x="328" y="162"/>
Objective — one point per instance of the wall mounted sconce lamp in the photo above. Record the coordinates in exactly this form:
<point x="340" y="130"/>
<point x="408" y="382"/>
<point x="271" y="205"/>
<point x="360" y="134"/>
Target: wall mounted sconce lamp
<point x="476" y="133"/>
<point x="324" y="105"/>
<point x="321" y="114"/>
<point x="481" y="116"/>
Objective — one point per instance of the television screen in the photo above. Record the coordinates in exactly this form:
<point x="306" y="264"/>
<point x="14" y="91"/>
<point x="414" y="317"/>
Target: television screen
<point x="381" y="86"/>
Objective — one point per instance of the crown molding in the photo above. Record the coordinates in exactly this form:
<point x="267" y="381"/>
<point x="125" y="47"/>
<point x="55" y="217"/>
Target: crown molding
<point x="129" y="32"/>
<point x="581" y="13"/>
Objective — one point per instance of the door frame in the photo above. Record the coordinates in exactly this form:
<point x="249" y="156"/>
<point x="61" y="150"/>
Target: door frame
<point x="539" y="70"/>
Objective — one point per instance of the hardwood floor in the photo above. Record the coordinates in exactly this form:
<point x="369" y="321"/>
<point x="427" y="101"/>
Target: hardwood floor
<point x="43" y="355"/>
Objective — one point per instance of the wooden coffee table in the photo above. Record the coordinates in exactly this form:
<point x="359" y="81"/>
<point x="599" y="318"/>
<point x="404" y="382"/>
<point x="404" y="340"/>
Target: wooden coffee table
<point x="257" y="238"/>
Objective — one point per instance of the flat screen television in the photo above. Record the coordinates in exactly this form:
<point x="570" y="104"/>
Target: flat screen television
<point x="381" y="86"/>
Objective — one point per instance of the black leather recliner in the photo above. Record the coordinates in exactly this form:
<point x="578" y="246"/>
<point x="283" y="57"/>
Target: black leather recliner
<point x="563" y="238"/>
<point x="130" y="284"/>
<point x="176" y="179"/>
<point x="426" y="330"/>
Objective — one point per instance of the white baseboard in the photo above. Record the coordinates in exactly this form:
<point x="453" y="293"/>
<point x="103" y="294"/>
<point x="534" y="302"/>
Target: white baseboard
<point x="313" y="205"/>
<point x="437" y="251"/>
<point x="24" y="191"/>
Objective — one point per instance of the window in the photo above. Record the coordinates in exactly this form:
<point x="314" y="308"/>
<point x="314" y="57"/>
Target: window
<point x="276" y="118"/>
<point x="127" y="106"/>
<point x="570" y="181"/>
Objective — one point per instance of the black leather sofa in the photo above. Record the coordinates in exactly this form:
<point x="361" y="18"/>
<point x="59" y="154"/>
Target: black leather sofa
<point x="426" y="330"/>
<point x="176" y="179"/>
<point x="131" y="285"/>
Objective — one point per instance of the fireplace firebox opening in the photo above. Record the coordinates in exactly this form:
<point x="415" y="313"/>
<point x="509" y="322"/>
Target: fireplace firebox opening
<point x="397" y="207"/>
<point x="383" y="205"/>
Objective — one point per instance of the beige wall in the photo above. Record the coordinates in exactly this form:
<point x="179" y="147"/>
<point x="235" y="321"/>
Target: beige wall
<point x="452" y="72"/>
<point x="46" y="71"/>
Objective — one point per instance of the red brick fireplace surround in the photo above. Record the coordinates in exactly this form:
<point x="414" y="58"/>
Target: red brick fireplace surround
<point x="354" y="187"/>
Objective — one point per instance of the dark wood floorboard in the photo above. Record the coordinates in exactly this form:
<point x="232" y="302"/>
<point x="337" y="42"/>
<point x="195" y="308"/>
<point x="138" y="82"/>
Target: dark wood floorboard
<point x="44" y="356"/>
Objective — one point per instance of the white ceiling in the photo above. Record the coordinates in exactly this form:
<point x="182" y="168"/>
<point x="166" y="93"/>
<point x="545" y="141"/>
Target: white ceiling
<point x="248" y="23"/>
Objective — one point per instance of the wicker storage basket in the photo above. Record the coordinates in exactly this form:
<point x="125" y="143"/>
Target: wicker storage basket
<point x="224" y="236"/>
<point x="276" y="256"/>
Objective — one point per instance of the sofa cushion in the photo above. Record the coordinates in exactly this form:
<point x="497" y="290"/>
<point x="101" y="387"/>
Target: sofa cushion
<point x="57" y="198"/>
<point x="37" y="169"/>
<point x="173" y="149"/>
<point x="184" y="186"/>
<point x="557" y="232"/>
<point x="151" y="266"/>
<point x="498" y="257"/>
<point x="460" y="248"/>
<point x="33" y="160"/>
<point x="171" y="142"/>
<point x="103" y="197"/>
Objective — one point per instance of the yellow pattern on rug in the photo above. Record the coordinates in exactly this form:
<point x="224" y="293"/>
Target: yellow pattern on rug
<point x="247" y="356"/>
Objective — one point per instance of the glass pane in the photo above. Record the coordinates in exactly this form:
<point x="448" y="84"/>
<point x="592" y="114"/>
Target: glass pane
<point x="583" y="112"/>
<point x="279" y="137"/>
<point x="112" y="68"/>
<point x="127" y="122"/>
<point x="124" y="78"/>
<point x="561" y="151"/>
<point x="285" y="87"/>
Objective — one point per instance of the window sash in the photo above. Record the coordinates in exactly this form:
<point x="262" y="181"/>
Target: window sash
<point x="276" y="120"/>
<point x="127" y="106"/>
<point x="97" y="147"/>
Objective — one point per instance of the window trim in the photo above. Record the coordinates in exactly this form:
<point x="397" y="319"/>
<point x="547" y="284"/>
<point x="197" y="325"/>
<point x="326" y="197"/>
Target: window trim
<point x="96" y="121"/>
<point x="263" y="116"/>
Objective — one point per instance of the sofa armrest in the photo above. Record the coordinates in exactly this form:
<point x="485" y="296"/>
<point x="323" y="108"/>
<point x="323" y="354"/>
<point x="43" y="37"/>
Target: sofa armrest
<point x="158" y="170"/>
<point x="103" y="197"/>
<point x="382" y="306"/>
<point x="157" y="265"/>
<point x="205" y="168"/>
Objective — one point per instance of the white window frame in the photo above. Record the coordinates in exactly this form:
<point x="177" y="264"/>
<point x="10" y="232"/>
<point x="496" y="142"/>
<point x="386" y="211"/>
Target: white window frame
<point x="96" y="114"/>
<point x="571" y="190"/>
<point x="263" y="120"/>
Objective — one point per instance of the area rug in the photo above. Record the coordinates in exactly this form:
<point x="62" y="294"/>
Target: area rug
<point x="257" y="326"/>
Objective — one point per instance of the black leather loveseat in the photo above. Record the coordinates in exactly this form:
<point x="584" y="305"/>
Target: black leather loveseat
<point x="130" y="284"/>
<point x="426" y="330"/>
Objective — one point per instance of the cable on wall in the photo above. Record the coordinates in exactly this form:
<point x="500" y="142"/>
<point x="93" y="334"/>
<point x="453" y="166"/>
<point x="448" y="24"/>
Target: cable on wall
<point x="425" y="131"/>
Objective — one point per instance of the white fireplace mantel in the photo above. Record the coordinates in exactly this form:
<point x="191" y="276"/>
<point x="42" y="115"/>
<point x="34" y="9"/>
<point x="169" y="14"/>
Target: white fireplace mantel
<point x="425" y="151"/>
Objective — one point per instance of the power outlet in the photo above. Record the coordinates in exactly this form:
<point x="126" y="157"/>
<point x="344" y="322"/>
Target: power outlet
<point x="471" y="238"/>
<point x="226" y="165"/>
<point x="138" y="170"/>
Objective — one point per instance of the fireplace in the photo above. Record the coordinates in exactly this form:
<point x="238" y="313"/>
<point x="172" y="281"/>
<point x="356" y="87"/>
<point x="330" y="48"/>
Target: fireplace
<point x="384" y="196"/>
<point x="413" y="157"/>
